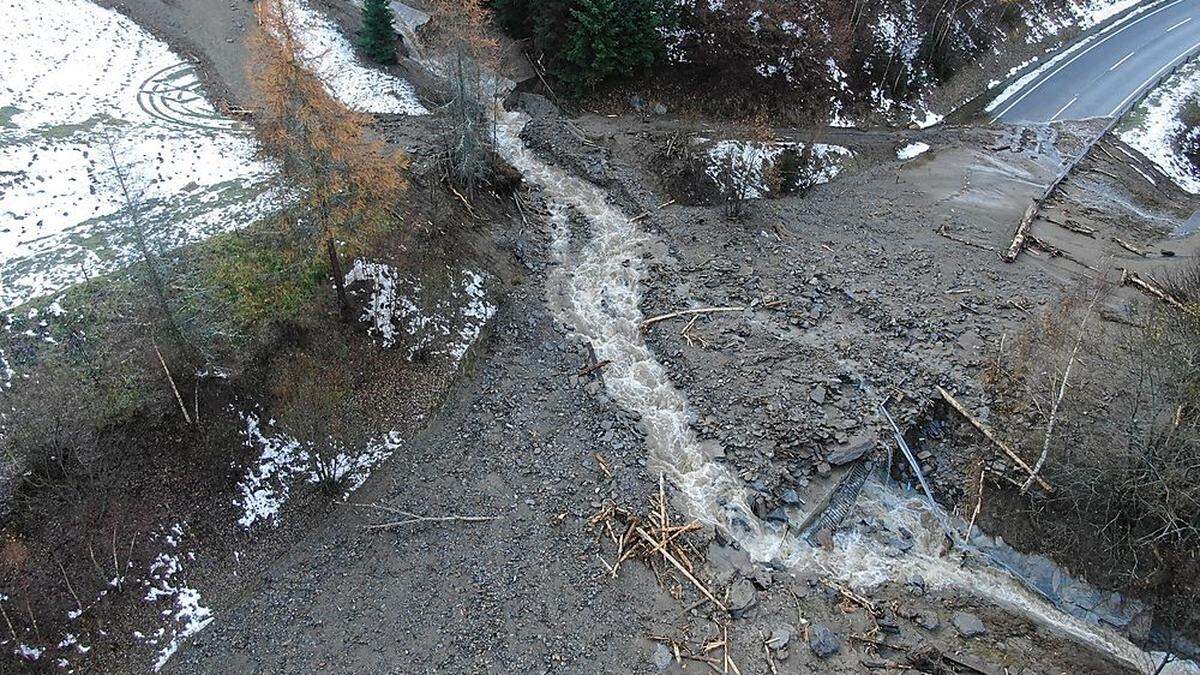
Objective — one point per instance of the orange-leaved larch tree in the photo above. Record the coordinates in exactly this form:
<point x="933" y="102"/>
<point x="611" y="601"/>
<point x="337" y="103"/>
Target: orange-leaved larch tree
<point x="348" y="181"/>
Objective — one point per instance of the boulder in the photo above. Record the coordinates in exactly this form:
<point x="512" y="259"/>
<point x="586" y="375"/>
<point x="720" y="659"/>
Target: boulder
<point x="968" y="625"/>
<point x="823" y="641"/>
<point x="850" y="452"/>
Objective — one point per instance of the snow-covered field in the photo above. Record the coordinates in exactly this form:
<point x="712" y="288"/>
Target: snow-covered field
<point x="1154" y="127"/>
<point x="75" y="80"/>
<point x="331" y="55"/>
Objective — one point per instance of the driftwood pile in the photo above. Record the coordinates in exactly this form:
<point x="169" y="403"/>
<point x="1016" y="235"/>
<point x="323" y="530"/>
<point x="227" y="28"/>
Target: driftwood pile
<point x="653" y="539"/>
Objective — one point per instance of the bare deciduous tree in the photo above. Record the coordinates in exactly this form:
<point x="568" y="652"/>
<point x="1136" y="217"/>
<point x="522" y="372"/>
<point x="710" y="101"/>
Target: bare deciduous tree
<point x="471" y="60"/>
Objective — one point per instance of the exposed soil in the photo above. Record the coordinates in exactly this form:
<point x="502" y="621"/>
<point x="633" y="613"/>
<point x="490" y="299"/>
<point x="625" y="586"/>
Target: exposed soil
<point x="520" y="442"/>
<point x="873" y="288"/>
<point x="517" y="441"/>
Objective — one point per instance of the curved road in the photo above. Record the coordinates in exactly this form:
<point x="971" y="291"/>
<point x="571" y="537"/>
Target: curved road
<point x="1103" y="72"/>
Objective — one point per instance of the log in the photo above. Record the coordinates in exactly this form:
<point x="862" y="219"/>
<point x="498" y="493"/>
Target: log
<point x="1129" y="247"/>
<point x="687" y="312"/>
<point x="1073" y="227"/>
<point x="1022" y="233"/>
<point x="1133" y="279"/>
<point x="171" y="380"/>
<point x="991" y="436"/>
<point x="679" y="566"/>
<point x="962" y="240"/>
<point x="588" y="370"/>
<point x="1056" y="252"/>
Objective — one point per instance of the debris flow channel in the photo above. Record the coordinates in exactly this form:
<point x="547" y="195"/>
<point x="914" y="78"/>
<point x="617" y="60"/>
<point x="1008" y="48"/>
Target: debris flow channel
<point x="595" y="292"/>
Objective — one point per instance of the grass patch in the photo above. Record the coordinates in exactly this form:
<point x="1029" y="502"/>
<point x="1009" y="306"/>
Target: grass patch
<point x="260" y="284"/>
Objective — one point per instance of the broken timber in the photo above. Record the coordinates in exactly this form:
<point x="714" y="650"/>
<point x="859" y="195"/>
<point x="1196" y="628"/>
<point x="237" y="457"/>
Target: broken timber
<point x="1022" y="235"/>
<point x="1133" y="279"/>
<point x="991" y="436"/>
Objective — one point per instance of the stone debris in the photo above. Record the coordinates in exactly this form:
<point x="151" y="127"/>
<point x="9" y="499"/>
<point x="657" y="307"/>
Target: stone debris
<point x="968" y="625"/>
<point x="823" y="641"/>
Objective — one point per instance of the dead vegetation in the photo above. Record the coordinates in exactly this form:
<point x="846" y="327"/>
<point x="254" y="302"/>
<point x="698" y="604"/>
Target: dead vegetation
<point x="654" y="540"/>
<point x="471" y="58"/>
<point x="1112" y="411"/>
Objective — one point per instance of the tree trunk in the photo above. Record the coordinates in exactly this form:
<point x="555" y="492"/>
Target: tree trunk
<point x="339" y="282"/>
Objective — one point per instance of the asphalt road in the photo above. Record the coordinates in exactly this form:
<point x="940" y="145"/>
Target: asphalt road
<point x="1102" y="73"/>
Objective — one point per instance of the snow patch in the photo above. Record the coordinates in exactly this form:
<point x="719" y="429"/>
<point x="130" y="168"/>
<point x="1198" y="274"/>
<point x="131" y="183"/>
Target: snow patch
<point x="331" y="56"/>
<point x="911" y="150"/>
<point x="1154" y="127"/>
<point x="929" y="119"/>
<point x="739" y="167"/>
<point x="186" y="614"/>
<point x="1097" y="12"/>
<point x="401" y="310"/>
<point x="283" y="460"/>
<point x="29" y="653"/>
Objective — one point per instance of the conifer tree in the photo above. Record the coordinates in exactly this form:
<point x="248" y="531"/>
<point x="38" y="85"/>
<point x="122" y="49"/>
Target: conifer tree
<point x="347" y="180"/>
<point x="378" y="35"/>
<point x="610" y="38"/>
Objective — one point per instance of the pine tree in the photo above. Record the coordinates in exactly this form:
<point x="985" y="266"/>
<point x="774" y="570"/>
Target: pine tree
<point x="610" y="38"/>
<point x="378" y="35"/>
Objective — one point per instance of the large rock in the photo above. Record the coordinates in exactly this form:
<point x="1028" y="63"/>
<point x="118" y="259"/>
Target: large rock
<point x="968" y="625"/>
<point x="823" y="641"/>
<point x="662" y="656"/>
<point x="851" y="451"/>
<point x="781" y="637"/>
<point x="742" y="598"/>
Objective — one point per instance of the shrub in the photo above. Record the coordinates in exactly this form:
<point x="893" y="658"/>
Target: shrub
<point x="515" y="17"/>
<point x="314" y="402"/>
<point x="1188" y="137"/>
<point x="1124" y="456"/>
<point x="258" y="284"/>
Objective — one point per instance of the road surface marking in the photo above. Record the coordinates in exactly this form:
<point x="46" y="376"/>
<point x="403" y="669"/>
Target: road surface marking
<point x="1123" y="60"/>
<point x="1063" y="109"/>
<point x="1122" y="28"/>
<point x="1178" y="25"/>
<point x="1153" y="77"/>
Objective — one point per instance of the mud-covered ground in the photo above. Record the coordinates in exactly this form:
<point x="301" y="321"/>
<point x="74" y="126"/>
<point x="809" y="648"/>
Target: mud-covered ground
<point x="517" y="440"/>
<point x="531" y="591"/>
<point x="870" y="289"/>
<point x="877" y="286"/>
